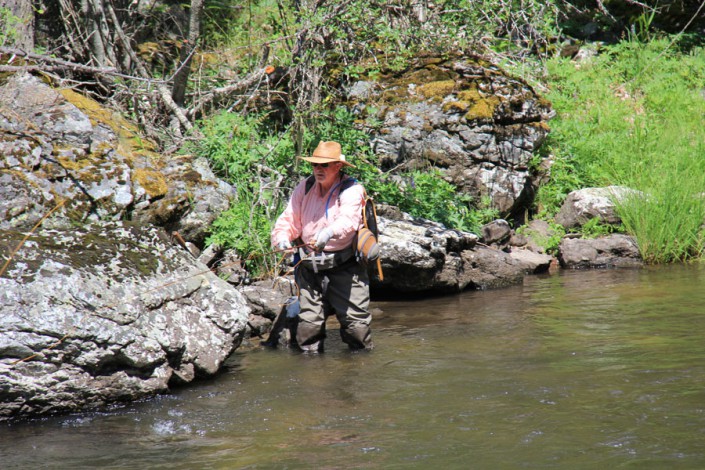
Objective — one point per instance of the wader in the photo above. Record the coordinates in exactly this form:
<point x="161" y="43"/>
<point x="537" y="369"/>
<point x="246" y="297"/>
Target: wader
<point x="342" y="289"/>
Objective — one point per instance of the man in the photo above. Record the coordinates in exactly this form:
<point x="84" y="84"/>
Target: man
<point x="323" y="215"/>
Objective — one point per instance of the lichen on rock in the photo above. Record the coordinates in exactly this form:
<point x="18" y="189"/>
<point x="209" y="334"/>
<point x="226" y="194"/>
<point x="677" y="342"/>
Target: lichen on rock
<point x="476" y="123"/>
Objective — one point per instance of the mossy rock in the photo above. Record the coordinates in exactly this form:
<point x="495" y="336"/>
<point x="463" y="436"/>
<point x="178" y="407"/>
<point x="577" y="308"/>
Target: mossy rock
<point x="129" y="141"/>
<point x="437" y="90"/>
<point x="152" y="181"/>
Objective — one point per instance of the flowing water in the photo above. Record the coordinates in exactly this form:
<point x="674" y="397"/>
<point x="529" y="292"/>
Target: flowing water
<point x="590" y="369"/>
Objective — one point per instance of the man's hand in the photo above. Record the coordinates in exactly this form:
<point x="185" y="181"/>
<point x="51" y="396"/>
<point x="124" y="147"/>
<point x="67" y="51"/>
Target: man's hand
<point x="322" y="238"/>
<point x="285" y="246"/>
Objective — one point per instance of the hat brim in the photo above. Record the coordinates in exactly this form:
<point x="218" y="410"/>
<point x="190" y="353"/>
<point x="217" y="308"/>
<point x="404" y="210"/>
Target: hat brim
<point x="315" y="159"/>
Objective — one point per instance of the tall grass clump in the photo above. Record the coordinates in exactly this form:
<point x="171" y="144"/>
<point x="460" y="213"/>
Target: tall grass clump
<point x="633" y="116"/>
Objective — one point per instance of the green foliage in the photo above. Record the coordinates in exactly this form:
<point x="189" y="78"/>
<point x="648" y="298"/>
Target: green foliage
<point x="246" y="154"/>
<point x="246" y="230"/>
<point x="595" y="228"/>
<point x="549" y="242"/>
<point x="363" y="37"/>
<point x="566" y="175"/>
<point x="426" y="194"/>
<point x="630" y="116"/>
<point x="633" y="116"/>
<point x="667" y="220"/>
<point x="243" y="29"/>
<point x="8" y="29"/>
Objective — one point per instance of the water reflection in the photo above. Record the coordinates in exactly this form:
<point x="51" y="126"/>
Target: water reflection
<point x="578" y="370"/>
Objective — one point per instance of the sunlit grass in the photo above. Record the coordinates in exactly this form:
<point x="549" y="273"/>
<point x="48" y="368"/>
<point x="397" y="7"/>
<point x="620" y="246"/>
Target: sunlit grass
<point x="633" y="116"/>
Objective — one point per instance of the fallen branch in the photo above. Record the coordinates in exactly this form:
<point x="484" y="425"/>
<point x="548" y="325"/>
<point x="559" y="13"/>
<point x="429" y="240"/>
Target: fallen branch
<point x="56" y="64"/>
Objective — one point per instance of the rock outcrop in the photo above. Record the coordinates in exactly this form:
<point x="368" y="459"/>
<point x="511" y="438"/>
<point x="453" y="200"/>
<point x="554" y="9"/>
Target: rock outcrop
<point x="58" y="146"/>
<point x="98" y="304"/>
<point x="100" y="314"/>
<point x="420" y="256"/>
<point x="464" y="116"/>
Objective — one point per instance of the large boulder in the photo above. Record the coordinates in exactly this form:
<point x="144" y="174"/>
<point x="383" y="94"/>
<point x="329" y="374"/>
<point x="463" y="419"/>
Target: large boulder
<point x="57" y="146"/>
<point x="464" y="116"/>
<point x="420" y="256"/>
<point x="105" y="313"/>
<point x="98" y="304"/>
<point x="585" y="204"/>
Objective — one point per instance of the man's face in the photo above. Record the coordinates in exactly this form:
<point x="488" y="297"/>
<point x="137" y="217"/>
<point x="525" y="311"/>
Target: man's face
<point x="326" y="173"/>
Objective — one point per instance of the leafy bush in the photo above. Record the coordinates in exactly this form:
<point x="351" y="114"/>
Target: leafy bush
<point x="550" y="241"/>
<point x="256" y="161"/>
<point x="427" y="195"/>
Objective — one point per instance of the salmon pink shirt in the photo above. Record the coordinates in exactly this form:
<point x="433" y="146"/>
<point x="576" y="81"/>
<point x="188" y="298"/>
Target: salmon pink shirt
<point x="305" y="215"/>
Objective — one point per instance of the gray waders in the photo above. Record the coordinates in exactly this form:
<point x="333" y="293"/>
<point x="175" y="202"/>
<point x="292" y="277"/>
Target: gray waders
<point x="342" y="289"/>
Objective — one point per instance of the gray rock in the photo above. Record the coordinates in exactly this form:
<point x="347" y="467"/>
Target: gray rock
<point x="61" y="146"/>
<point x="476" y="124"/>
<point x="585" y="204"/>
<point x="101" y="314"/>
<point x="532" y="262"/>
<point x="496" y="232"/>
<point x="612" y="251"/>
<point x="422" y="256"/>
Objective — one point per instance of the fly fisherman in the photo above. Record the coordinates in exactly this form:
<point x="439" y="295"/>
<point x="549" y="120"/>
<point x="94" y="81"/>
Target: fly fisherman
<point x="323" y="215"/>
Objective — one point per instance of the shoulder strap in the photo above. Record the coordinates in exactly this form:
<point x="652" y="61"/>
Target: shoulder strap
<point x="309" y="183"/>
<point x="344" y="184"/>
<point x="347" y="183"/>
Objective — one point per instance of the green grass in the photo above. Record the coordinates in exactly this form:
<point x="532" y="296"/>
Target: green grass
<point x="633" y="116"/>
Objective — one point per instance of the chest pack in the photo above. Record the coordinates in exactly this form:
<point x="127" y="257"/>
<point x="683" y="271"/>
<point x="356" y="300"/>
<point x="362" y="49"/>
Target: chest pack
<point x="365" y="243"/>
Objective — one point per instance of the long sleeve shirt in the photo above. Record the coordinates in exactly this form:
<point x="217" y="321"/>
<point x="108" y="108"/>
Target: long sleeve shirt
<point x="305" y="215"/>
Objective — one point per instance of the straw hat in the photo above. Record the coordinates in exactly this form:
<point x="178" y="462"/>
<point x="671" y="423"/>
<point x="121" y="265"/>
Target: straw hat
<point x="327" y="152"/>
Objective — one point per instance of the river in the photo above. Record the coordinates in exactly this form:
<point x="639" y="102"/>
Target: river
<point x="579" y="369"/>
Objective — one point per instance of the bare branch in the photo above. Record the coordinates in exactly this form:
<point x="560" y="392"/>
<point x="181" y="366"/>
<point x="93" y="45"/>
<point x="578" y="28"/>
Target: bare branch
<point x="163" y="91"/>
<point x="234" y="88"/>
<point x="57" y="64"/>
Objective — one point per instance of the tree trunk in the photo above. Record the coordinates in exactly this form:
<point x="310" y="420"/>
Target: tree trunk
<point x="181" y="76"/>
<point x="17" y="31"/>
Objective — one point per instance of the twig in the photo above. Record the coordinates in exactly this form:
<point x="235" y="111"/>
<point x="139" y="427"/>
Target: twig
<point x="163" y="92"/>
